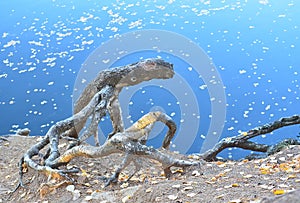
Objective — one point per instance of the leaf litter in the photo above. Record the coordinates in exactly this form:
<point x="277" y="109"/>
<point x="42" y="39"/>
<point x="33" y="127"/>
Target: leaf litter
<point x="232" y="181"/>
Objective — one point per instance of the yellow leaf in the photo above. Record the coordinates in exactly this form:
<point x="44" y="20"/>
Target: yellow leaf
<point x="292" y="176"/>
<point x="278" y="192"/>
<point x="213" y="179"/>
<point x="248" y="176"/>
<point x="83" y="172"/>
<point x="219" y="163"/>
<point x="179" y="170"/>
<point x="264" y="171"/>
<point x="235" y="185"/>
<point x="220" y="196"/>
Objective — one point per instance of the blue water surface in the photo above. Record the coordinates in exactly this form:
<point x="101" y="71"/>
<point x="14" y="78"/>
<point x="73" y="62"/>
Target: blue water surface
<point x="253" y="44"/>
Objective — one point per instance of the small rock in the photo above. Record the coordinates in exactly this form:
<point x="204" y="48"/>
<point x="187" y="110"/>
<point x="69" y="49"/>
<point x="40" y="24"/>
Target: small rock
<point x="149" y="190"/>
<point x="191" y="194"/>
<point x="76" y="195"/>
<point x="172" y="197"/>
<point x="126" y="198"/>
<point x="88" y="198"/>
<point x="195" y="173"/>
<point x="23" y="132"/>
<point x="70" y="188"/>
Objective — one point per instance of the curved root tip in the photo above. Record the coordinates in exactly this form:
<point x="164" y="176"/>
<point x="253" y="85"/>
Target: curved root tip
<point x="10" y="193"/>
<point x="109" y="181"/>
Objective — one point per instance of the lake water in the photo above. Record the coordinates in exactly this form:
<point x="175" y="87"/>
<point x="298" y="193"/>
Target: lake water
<point x="247" y="72"/>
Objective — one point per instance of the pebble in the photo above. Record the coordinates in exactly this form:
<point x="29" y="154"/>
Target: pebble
<point x="23" y="132"/>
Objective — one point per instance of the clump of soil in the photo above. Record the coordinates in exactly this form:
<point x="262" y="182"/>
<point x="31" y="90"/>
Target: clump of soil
<point x="263" y="180"/>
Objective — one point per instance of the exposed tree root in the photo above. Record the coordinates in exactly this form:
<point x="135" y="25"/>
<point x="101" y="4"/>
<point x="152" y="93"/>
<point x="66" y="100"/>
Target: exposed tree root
<point x="242" y="140"/>
<point x="127" y="142"/>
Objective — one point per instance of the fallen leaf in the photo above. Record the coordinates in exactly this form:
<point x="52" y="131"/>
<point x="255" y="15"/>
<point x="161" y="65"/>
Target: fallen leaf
<point x="89" y="191"/>
<point x="213" y="179"/>
<point x="283" y="185"/>
<point x="221" y="164"/>
<point x="154" y="182"/>
<point x="235" y="201"/>
<point x="281" y="158"/>
<point x="264" y="171"/>
<point x="180" y="170"/>
<point x="248" y="176"/>
<point x="210" y="182"/>
<point x="23" y="195"/>
<point x="227" y="170"/>
<point x="278" y="192"/>
<point x="176" y="186"/>
<point x="63" y="145"/>
<point x="235" y="185"/>
<point x="220" y="196"/>
<point x="124" y="185"/>
<point x="91" y="164"/>
<point x="83" y="172"/>
<point x="264" y="187"/>
<point x="191" y="194"/>
<point x="292" y="176"/>
<point x="195" y="173"/>
<point x="188" y="188"/>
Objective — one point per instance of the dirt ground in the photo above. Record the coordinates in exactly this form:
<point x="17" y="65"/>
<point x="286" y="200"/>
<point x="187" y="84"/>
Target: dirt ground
<point x="264" y="180"/>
